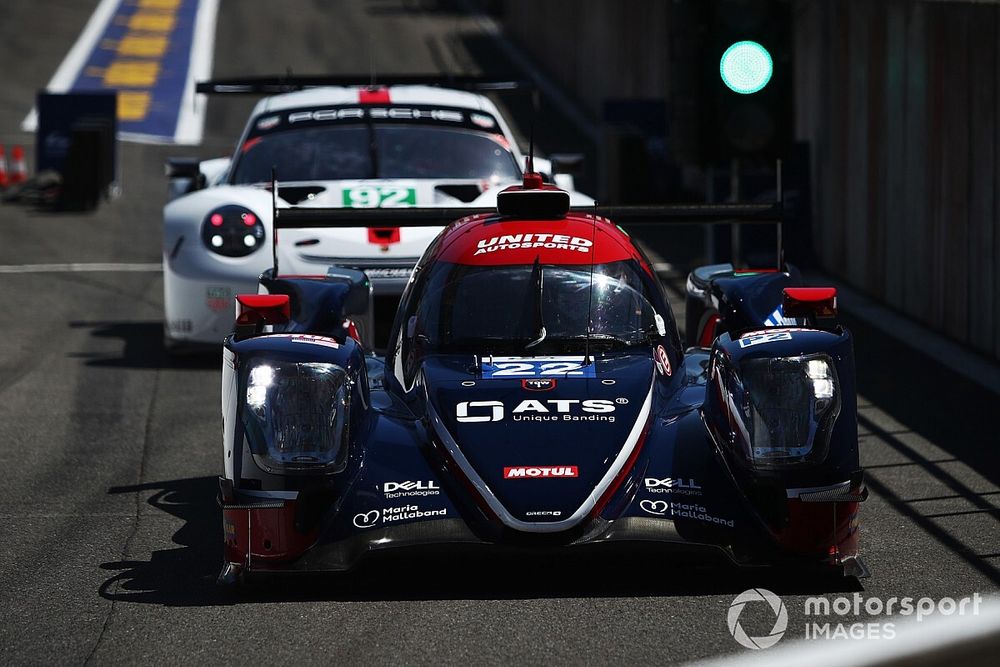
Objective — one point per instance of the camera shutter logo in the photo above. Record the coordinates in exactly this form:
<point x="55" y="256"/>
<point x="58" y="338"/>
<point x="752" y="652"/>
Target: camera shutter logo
<point x="776" y="605"/>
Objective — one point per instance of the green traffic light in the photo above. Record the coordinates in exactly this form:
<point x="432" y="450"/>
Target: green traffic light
<point x="746" y="67"/>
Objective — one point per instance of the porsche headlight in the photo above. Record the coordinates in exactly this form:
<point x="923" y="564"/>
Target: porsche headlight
<point x="297" y="415"/>
<point x="789" y="406"/>
<point x="232" y="231"/>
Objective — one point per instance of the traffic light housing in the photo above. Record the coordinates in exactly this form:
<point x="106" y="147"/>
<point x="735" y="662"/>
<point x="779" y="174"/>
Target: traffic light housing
<point x="747" y="79"/>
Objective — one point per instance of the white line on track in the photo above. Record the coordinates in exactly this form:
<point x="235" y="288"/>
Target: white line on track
<point x="70" y="67"/>
<point x="191" y="120"/>
<point x="82" y="268"/>
<point x="191" y="115"/>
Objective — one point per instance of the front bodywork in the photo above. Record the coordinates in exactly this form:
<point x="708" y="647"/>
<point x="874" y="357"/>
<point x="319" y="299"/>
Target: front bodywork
<point x="407" y="482"/>
<point x="643" y="443"/>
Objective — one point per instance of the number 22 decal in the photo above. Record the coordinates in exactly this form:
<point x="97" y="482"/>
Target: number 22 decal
<point x="518" y="368"/>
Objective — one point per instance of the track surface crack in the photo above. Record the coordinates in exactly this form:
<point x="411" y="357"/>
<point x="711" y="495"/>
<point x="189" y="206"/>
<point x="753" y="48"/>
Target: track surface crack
<point x="127" y="547"/>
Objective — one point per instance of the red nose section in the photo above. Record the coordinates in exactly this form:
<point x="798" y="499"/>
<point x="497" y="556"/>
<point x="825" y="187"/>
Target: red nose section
<point x="572" y="240"/>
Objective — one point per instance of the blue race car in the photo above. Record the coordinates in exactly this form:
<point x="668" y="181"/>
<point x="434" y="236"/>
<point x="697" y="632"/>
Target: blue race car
<point x="535" y="394"/>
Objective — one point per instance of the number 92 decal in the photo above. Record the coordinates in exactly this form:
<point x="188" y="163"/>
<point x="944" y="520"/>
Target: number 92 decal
<point x="520" y="367"/>
<point x="374" y="196"/>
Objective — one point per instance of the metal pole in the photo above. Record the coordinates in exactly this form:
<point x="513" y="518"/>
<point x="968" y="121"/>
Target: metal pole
<point x="781" y="211"/>
<point x="734" y="196"/>
<point x="710" y="229"/>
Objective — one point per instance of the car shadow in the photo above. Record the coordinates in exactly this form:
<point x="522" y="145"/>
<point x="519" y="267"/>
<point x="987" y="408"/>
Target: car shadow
<point x="142" y="348"/>
<point x="943" y="407"/>
<point x="183" y="574"/>
<point x="440" y="8"/>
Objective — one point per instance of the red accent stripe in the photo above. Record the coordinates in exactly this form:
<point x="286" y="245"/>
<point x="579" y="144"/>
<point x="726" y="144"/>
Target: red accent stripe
<point x="625" y="471"/>
<point x="250" y="143"/>
<point x="708" y="333"/>
<point x="352" y="331"/>
<point x="383" y="235"/>
<point x="374" y="96"/>
<point x="456" y="472"/>
<point x="820" y="529"/>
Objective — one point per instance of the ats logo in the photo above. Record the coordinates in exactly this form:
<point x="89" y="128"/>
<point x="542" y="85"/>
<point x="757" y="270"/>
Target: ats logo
<point x="562" y="409"/>
<point x="537" y="472"/>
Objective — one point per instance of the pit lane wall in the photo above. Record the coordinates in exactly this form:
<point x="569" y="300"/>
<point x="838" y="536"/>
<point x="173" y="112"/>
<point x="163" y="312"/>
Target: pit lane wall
<point x="899" y="101"/>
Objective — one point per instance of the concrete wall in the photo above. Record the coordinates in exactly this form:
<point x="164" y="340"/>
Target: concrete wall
<point x="597" y="49"/>
<point x="900" y="102"/>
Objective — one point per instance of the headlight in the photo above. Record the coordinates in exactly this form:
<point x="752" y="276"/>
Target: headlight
<point x="788" y="407"/>
<point x="232" y="231"/>
<point x="296" y="415"/>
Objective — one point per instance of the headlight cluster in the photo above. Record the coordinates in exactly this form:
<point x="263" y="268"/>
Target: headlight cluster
<point x="232" y="231"/>
<point x="785" y="407"/>
<point x="297" y="415"/>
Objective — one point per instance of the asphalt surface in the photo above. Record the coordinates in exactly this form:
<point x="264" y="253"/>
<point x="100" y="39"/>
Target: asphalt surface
<point x="109" y="533"/>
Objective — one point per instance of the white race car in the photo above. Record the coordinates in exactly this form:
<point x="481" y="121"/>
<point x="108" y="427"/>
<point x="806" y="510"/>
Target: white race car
<point x="328" y="146"/>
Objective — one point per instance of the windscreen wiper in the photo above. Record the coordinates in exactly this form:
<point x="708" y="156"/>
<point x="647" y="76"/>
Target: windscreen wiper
<point x="599" y="338"/>
<point x="538" y="277"/>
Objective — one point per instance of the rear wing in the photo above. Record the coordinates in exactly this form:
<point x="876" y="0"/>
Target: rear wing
<point x="300" y="217"/>
<point x="275" y="85"/>
<point x="676" y="214"/>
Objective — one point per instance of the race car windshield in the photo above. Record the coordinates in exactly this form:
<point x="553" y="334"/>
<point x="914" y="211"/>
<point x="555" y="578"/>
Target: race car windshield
<point x="506" y="308"/>
<point x="329" y="153"/>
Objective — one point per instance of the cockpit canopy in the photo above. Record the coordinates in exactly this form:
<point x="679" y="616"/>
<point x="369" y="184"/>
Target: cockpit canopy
<point x="535" y="308"/>
<point x="531" y="310"/>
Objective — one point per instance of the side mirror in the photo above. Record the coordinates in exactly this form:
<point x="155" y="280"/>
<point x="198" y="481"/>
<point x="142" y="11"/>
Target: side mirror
<point x="255" y="311"/>
<point x="818" y="302"/>
<point x="186" y="169"/>
<point x="567" y="163"/>
<point x="183" y="167"/>
<point x="358" y="299"/>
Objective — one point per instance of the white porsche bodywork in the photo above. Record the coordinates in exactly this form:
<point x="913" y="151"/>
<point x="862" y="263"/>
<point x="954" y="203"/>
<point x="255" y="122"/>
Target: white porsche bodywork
<point x="199" y="283"/>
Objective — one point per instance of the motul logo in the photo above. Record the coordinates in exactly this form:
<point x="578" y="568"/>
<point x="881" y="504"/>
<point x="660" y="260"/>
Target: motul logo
<point x="530" y="472"/>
